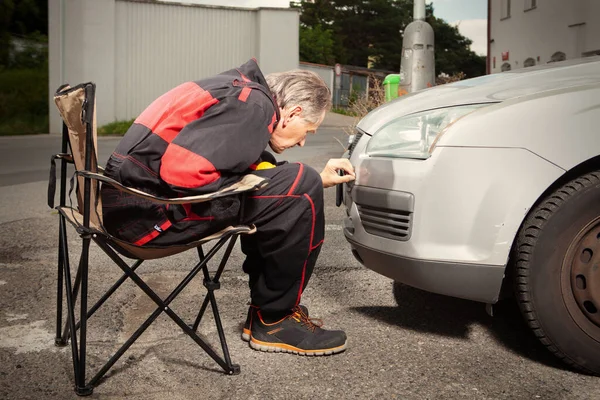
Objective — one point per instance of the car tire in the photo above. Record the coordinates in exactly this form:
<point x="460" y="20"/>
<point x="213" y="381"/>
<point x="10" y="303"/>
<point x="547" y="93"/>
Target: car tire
<point x="557" y="272"/>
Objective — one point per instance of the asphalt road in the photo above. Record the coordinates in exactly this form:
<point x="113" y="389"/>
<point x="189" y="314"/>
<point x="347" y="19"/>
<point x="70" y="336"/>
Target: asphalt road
<point x="403" y="343"/>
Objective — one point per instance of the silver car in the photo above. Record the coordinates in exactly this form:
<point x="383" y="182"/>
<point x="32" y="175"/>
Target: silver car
<point x="489" y="183"/>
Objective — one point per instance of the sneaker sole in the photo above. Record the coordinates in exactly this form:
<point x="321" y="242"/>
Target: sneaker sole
<point x="246" y="335"/>
<point x="286" y="348"/>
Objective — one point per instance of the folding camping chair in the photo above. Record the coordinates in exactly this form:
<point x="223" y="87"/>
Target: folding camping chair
<point x="77" y="108"/>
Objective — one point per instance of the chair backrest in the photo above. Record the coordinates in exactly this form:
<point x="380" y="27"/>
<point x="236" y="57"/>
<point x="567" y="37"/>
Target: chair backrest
<point x="77" y="107"/>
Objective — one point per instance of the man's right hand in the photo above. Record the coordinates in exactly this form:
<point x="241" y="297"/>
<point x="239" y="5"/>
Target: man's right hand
<point x="330" y="176"/>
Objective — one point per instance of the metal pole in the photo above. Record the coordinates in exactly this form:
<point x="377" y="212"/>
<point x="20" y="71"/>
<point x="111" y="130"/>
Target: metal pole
<point x="419" y="10"/>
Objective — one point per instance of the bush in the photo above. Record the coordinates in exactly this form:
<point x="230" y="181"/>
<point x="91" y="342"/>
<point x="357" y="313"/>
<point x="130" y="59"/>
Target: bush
<point x="343" y="111"/>
<point x="115" y="128"/>
<point x="23" y="101"/>
<point x="443" y="78"/>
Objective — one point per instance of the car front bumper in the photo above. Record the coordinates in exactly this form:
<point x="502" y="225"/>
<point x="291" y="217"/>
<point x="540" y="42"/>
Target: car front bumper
<point x="445" y="224"/>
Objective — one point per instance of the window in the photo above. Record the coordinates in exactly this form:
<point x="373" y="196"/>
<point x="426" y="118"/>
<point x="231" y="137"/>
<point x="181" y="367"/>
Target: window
<point x="505" y="67"/>
<point x="530" y="4"/>
<point x="558" y="56"/>
<point x="530" y="62"/>
<point x="505" y="12"/>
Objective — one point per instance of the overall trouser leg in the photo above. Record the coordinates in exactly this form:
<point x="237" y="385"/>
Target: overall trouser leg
<point x="289" y="217"/>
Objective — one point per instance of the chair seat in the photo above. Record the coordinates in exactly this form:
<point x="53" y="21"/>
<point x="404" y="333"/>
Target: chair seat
<point x="149" y="252"/>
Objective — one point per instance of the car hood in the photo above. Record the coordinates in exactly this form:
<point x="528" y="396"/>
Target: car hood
<point x="494" y="88"/>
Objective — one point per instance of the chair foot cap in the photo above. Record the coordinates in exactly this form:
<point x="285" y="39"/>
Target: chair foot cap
<point x="84" y="391"/>
<point x="60" y="343"/>
<point x="234" y="370"/>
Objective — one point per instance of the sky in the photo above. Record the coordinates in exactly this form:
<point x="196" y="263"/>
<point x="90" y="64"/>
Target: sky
<point x="469" y="15"/>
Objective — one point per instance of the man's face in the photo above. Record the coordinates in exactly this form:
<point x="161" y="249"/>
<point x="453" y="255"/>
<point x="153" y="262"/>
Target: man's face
<point x="292" y="130"/>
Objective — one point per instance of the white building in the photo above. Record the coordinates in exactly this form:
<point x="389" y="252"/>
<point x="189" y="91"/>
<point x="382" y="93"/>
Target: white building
<point x="523" y="33"/>
<point x="135" y="50"/>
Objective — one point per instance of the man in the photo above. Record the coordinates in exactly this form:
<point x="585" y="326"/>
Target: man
<point x="206" y="134"/>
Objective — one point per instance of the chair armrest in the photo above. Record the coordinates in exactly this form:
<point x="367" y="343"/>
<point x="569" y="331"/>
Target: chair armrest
<point x="63" y="156"/>
<point x="248" y="183"/>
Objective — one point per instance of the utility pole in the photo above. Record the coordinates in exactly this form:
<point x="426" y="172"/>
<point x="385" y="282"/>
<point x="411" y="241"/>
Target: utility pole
<point x="417" y="66"/>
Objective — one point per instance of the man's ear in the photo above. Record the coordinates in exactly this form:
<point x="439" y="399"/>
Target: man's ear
<point x="296" y="111"/>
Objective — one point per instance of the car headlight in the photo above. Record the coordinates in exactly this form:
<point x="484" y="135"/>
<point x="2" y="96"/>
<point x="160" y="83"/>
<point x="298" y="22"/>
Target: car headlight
<point x="414" y="136"/>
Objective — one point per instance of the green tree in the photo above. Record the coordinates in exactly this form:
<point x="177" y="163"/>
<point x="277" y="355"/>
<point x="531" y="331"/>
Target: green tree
<point x="360" y="29"/>
<point x="316" y="45"/>
<point x="7" y="8"/>
<point x="364" y="29"/>
<point x="452" y="50"/>
<point x="29" y="16"/>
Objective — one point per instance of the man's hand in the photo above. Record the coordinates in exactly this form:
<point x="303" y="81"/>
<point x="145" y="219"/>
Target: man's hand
<point x="330" y="176"/>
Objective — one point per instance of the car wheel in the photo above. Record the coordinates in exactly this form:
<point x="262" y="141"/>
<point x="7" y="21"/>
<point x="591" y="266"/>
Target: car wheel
<point x="557" y="280"/>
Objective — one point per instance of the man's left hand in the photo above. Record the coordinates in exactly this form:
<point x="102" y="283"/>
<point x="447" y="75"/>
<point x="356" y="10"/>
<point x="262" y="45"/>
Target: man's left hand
<point x="330" y="175"/>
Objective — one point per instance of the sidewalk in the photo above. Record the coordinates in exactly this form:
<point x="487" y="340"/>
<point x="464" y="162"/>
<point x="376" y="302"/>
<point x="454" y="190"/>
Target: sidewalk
<point x="338" y="120"/>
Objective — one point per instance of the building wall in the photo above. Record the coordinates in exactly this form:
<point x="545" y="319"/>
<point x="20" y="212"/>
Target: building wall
<point x="324" y="71"/>
<point x="278" y="41"/>
<point x="571" y="27"/>
<point x="136" y="50"/>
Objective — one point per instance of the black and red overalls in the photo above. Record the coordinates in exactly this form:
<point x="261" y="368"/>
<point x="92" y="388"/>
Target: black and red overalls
<point x="197" y="138"/>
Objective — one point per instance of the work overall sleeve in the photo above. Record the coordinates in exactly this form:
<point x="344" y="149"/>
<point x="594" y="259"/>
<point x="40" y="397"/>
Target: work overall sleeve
<point x="218" y="148"/>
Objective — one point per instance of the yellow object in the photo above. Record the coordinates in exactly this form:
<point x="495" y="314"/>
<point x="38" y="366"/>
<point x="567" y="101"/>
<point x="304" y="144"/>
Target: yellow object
<point x="264" y="165"/>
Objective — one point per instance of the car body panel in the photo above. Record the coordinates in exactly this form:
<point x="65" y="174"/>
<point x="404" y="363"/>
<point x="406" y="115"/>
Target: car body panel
<point x="472" y="219"/>
<point x="560" y="125"/>
<point x="466" y="202"/>
<point x="487" y="89"/>
<point x="461" y="224"/>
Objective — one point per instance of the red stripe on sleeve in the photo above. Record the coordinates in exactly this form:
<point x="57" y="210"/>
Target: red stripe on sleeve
<point x="183" y="168"/>
<point x="244" y="77"/>
<point x="272" y="124"/>
<point x="244" y="94"/>
<point x="297" y="179"/>
<point x="172" y="111"/>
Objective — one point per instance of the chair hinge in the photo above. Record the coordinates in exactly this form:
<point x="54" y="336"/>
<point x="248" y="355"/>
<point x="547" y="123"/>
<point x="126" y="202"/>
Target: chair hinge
<point x="212" y="285"/>
<point x="84" y="232"/>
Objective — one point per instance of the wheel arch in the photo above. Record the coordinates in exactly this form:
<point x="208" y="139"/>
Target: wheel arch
<point x="584" y="167"/>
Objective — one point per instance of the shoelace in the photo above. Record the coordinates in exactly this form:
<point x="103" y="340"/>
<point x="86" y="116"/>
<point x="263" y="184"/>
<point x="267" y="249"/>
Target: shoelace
<point x="310" y="323"/>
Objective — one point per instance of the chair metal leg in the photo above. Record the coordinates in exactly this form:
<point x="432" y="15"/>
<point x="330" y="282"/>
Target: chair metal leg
<point x="214" y="279"/>
<point x="62" y="247"/>
<point x="80" y="287"/>
<point x="78" y="349"/>
<point x="75" y="293"/>
<point x="70" y="303"/>
<point x="163" y="306"/>
<point x="110" y="291"/>
<point x="200" y="313"/>
<point x="80" y="386"/>
<point x="224" y="347"/>
<point x="212" y="284"/>
<point x="102" y="300"/>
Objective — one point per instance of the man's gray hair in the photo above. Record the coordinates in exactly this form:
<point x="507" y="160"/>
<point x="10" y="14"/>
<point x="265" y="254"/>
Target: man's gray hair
<point x="301" y="88"/>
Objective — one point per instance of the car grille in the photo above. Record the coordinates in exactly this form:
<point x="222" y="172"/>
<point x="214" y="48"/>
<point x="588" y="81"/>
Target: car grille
<point x="357" y="137"/>
<point x="391" y="224"/>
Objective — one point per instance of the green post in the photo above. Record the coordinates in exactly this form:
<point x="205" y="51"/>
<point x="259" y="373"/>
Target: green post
<point x="390" y="85"/>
